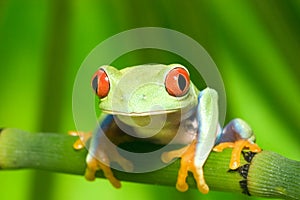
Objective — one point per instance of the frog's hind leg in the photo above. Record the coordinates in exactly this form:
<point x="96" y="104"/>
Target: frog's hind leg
<point x="237" y="135"/>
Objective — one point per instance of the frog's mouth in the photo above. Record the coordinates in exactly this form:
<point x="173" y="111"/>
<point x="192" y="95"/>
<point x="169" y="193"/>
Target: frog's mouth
<point x="146" y="123"/>
<point x="136" y="114"/>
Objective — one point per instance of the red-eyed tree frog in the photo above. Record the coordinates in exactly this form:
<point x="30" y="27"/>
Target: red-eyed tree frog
<point x="134" y="96"/>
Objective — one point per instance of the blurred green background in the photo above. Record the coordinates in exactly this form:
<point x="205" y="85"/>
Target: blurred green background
<point x="255" y="44"/>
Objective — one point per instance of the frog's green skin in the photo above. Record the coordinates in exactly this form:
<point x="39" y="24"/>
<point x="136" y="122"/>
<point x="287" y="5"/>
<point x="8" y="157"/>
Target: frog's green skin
<point x="138" y="100"/>
<point x="139" y="92"/>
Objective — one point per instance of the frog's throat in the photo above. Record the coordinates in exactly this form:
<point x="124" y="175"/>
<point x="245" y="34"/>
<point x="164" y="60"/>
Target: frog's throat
<point x="156" y="112"/>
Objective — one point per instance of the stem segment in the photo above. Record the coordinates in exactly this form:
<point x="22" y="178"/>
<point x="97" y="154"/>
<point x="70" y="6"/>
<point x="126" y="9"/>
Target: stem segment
<point x="265" y="174"/>
<point x="272" y="175"/>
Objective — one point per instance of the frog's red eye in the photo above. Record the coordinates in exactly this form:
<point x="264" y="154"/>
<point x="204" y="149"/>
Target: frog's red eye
<point x="177" y="82"/>
<point x="100" y="83"/>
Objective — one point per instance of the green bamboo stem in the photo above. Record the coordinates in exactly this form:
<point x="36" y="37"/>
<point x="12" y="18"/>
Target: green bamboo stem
<point x="266" y="175"/>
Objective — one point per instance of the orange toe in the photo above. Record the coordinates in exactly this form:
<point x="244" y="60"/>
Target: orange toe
<point x="220" y="147"/>
<point x="94" y="165"/>
<point x="187" y="155"/>
<point x="236" y="153"/>
<point x="83" y="138"/>
<point x="254" y="147"/>
<point x="238" y="147"/>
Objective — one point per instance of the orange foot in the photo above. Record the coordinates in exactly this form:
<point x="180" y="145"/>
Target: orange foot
<point x="187" y="155"/>
<point x="83" y="138"/>
<point x="237" y="146"/>
<point x="94" y="165"/>
<point x="103" y="163"/>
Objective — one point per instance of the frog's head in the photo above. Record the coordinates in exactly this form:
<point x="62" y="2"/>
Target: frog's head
<point x="144" y="90"/>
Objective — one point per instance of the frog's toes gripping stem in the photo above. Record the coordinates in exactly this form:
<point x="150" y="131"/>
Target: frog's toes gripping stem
<point x="80" y="143"/>
<point x="94" y="165"/>
<point x="100" y="159"/>
<point x="237" y="134"/>
<point x="238" y="147"/>
<point x="187" y="164"/>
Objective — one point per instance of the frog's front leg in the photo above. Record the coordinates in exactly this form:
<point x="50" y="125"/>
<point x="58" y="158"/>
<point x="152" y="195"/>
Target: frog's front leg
<point x="194" y="156"/>
<point x="103" y="149"/>
<point x="237" y="135"/>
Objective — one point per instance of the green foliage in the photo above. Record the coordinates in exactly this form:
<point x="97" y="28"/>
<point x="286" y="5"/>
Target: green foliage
<point x="255" y="45"/>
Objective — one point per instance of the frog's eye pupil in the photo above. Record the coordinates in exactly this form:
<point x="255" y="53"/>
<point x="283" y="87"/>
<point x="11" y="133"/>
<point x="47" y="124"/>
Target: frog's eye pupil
<point x="177" y="82"/>
<point x="95" y="84"/>
<point x="181" y="82"/>
<point x="100" y="83"/>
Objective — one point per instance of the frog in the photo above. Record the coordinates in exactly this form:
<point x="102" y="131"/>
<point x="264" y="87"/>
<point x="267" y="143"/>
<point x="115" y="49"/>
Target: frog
<point x="135" y="96"/>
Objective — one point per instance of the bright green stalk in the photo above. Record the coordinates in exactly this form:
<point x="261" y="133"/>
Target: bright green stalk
<point x="265" y="174"/>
